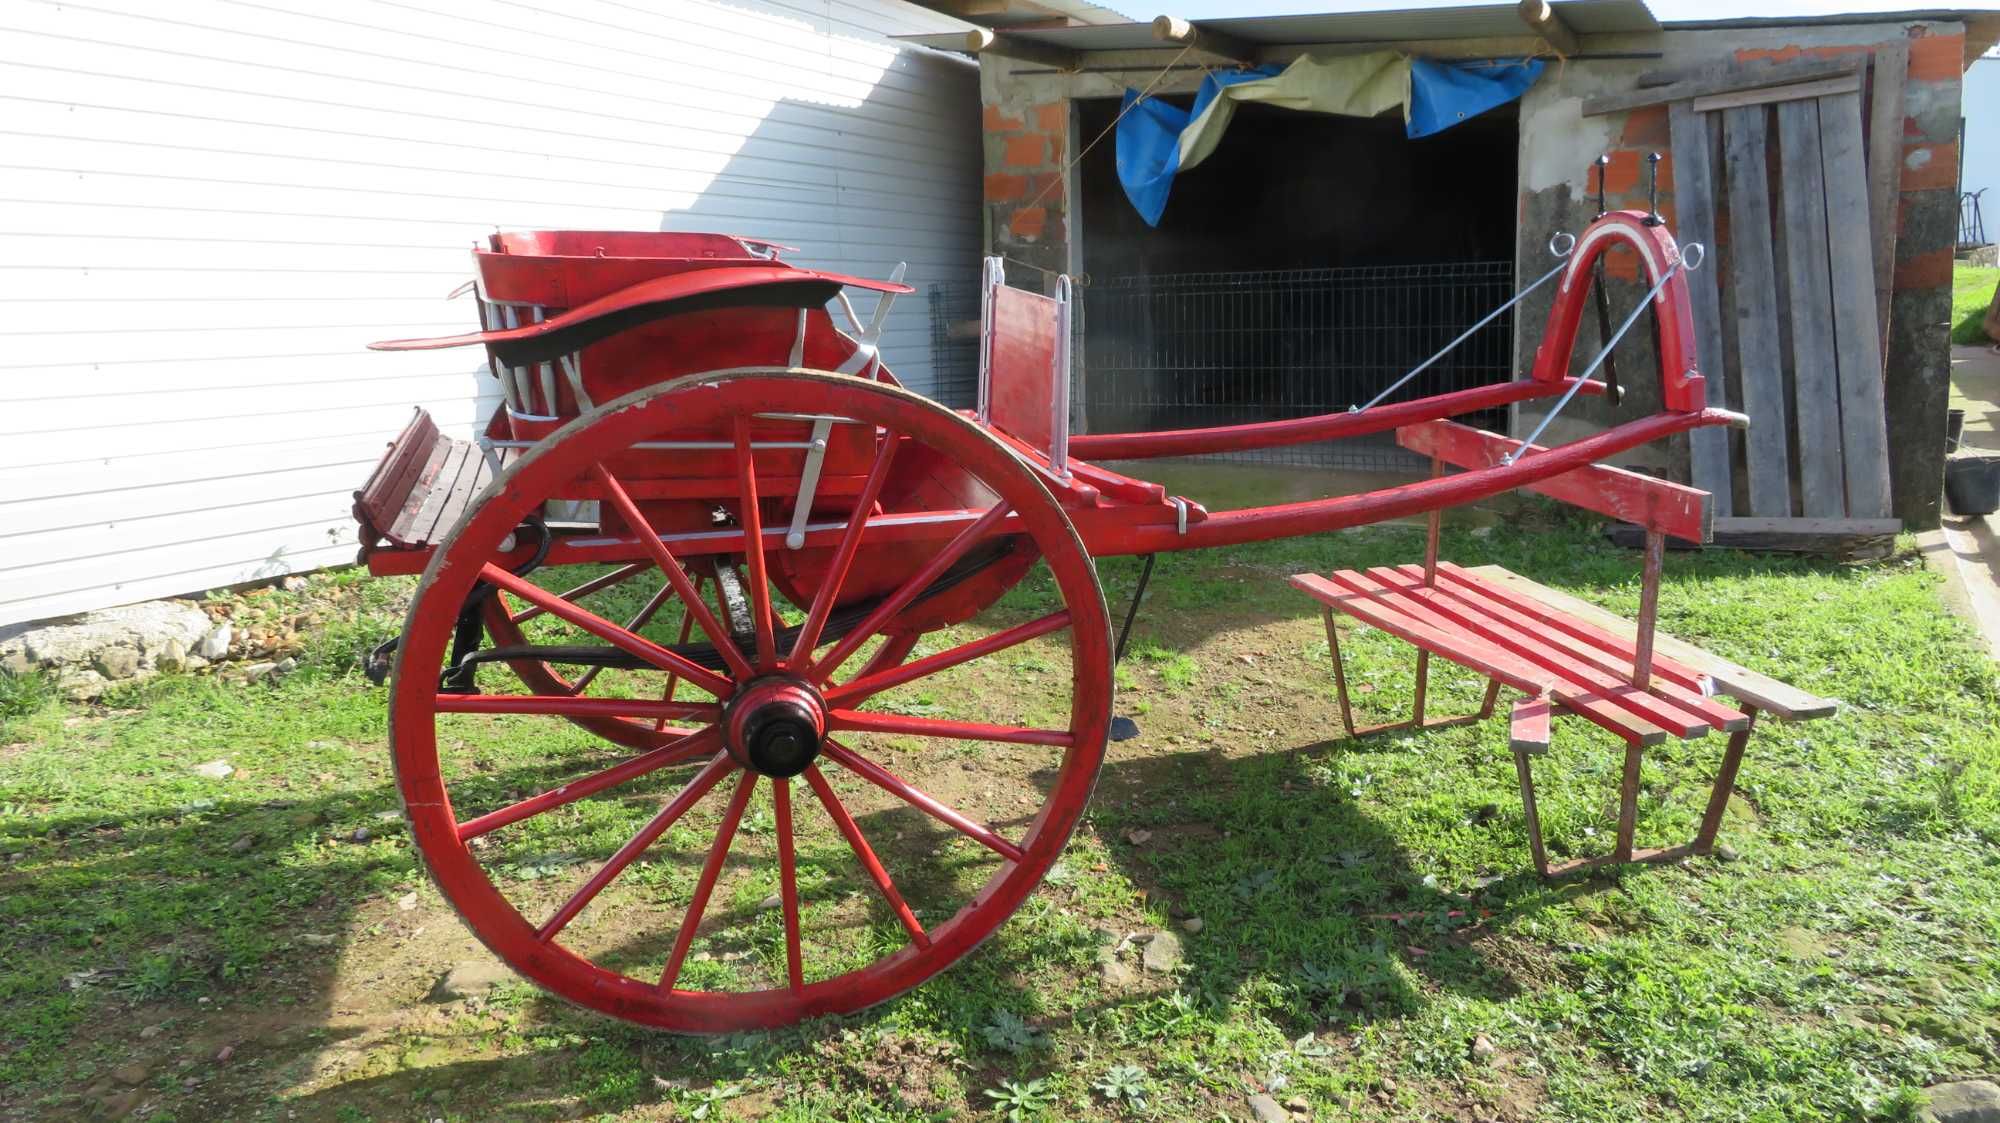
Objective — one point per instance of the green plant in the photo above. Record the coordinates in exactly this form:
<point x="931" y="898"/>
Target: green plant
<point x="1008" y="1030"/>
<point x="24" y="694"/>
<point x="1022" y="1101"/>
<point x="1124" y="1082"/>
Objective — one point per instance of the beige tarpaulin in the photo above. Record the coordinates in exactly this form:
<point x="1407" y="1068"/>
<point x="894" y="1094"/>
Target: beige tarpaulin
<point x="1350" y="85"/>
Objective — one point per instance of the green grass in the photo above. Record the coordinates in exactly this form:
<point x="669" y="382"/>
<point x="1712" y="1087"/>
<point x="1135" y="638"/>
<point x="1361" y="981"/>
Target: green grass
<point x="1971" y="294"/>
<point x="1367" y="908"/>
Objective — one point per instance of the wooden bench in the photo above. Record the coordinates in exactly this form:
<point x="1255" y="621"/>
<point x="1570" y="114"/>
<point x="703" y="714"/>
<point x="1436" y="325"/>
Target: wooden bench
<point x="1563" y="656"/>
<point x="420" y="488"/>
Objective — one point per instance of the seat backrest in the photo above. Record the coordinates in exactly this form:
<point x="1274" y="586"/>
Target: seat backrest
<point x="1024" y="364"/>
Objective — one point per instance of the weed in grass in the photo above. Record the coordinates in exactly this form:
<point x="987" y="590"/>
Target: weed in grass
<point x="1126" y="1083"/>
<point x="1022" y="1101"/>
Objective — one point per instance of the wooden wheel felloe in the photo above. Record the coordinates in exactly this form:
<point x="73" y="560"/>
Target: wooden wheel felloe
<point x="892" y="814"/>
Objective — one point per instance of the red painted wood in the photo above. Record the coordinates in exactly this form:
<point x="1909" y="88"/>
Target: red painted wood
<point x="1021" y="366"/>
<point x="1528" y="725"/>
<point x="711" y="868"/>
<point x="1303" y="430"/>
<point x="788" y="882"/>
<point x="1387" y="612"/>
<point x="923" y="801"/>
<point x="705" y="740"/>
<point x="751" y="518"/>
<point x="1681" y="383"/>
<point x="843" y="556"/>
<point x="381" y="499"/>
<point x="609" y="632"/>
<point x="1647" y="501"/>
<point x="852" y="693"/>
<point x="863" y="853"/>
<point x="1573" y="652"/>
<point x="1618" y="646"/>
<point x="692" y="603"/>
<point x="1579" y="676"/>
<point x="563" y="706"/>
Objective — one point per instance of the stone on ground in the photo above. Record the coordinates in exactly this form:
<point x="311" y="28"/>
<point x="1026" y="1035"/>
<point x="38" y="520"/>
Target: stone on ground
<point x="1964" y="1101"/>
<point x="1163" y="952"/>
<point x="89" y="653"/>
<point x="471" y="979"/>
<point x="1267" y="1110"/>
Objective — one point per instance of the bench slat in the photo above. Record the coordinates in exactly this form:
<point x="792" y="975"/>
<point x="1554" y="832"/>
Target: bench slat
<point x="1383" y="611"/>
<point x="1619" y="644"/>
<point x="1453" y="604"/>
<point x="1570" y="652"/>
<point x="1741" y="683"/>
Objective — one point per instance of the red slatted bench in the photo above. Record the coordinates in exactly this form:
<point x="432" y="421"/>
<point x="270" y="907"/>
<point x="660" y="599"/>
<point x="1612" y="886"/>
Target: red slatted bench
<point x="1565" y="657"/>
<point x="420" y="488"/>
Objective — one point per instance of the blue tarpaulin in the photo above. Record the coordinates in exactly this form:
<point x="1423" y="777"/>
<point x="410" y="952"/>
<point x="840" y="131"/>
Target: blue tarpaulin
<point x="1157" y="140"/>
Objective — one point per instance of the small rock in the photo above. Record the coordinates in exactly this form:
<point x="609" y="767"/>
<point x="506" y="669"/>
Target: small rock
<point x="224" y="1053"/>
<point x="472" y="979"/>
<point x="1138" y="837"/>
<point x="1963" y="1101"/>
<point x="388" y="816"/>
<point x="151" y="1032"/>
<point x="215" y="645"/>
<point x="318" y="939"/>
<point x="407" y="902"/>
<point x="1163" y="952"/>
<point x="242" y="845"/>
<point x="255" y="672"/>
<point x="771" y="902"/>
<point x="360" y="835"/>
<point x="172" y="658"/>
<point x="1117" y="974"/>
<point x="294" y="583"/>
<point x="1192" y="925"/>
<point x="1298" y="1103"/>
<point x="214" y="770"/>
<point x="131" y="1075"/>
<point x="1389" y="1085"/>
<point x="1123" y="729"/>
<point x="1482" y="1049"/>
<point x="286" y="666"/>
<point x="1266" y="1110"/>
<point x="1482" y="532"/>
<point x="1726" y="853"/>
<point x="117" y="662"/>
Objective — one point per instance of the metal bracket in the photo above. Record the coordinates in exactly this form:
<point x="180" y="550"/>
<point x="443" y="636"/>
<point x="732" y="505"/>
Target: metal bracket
<point x="795" y="536"/>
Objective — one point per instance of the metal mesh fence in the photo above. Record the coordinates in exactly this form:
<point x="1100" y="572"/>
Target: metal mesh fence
<point x="954" y="312"/>
<point x="1187" y="350"/>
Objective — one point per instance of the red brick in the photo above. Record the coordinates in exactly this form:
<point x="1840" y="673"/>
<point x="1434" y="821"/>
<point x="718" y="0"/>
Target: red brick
<point x="1646" y="128"/>
<point x="1004" y="188"/>
<point x="1027" y="151"/>
<point x="998" y="122"/>
<point x="1053" y="118"/>
<point x="1625" y="178"/>
<point x="1930" y="166"/>
<point x="1029" y="222"/>
<point x="1924" y="271"/>
<point x="1936" y="58"/>
<point x="1794" y="53"/>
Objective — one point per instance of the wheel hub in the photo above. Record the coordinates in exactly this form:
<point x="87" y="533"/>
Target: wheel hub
<point x="775" y="727"/>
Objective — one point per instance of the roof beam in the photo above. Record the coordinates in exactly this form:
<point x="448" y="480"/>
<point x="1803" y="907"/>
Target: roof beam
<point x="984" y="41"/>
<point x="1174" y="29"/>
<point x="1541" y="17"/>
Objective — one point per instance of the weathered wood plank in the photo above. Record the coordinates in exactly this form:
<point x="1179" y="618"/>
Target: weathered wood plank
<point x="1753" y="290"/>
<point x="1885" y="169"/>
<point x="1864" y="431"/>
<point x="1722" y="79"/>
<point x="1694" y="210"/>
<point x="1843" y="539"/>
<point x="1810" y="310"/>
<point x="1614" y="492"/>
<point x="1766" y="95"/>
<point x="1739" y="682"/>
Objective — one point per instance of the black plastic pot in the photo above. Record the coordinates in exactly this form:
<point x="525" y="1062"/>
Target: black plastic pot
<point x="1972" y="482"/>
<point x="1954" y="428"/>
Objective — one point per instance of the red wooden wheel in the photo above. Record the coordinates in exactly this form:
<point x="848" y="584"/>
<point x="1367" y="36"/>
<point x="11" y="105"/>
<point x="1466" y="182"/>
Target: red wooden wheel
<point x="916" y="833"/>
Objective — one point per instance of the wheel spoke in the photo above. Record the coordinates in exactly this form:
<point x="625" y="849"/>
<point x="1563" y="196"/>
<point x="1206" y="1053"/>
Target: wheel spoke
<point x="850" y="831"/>
<point x="843" y="557"/>
<point x="564" y="705"/>
<point x="690" y="592"/>
<point x="753" y="549"/>
<point x="861" y="721"/>
<point x="707" y="778"/>
<point x="788" y="880"/>
<point x="901" y="598"/>
<point x="710" y="870"/>
<point x="921" y="800"/>
<point x="674" y="680"/>
<point x="855" y="691"/>
<point x="621" y="574"/>
<point x="639" y="620"/>
<point x="611" y="633"/>
<point x="702" y="741"/>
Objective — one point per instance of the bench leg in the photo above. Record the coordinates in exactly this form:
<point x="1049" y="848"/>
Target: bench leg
<point x="1628" y="804"/>
<point x="1526" y="773"/>
<point x="1725" y="782"/>
<point x="1417" y="719"/>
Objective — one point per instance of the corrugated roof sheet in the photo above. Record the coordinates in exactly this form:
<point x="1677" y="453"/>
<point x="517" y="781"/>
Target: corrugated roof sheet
<point x="1475" y="21"/>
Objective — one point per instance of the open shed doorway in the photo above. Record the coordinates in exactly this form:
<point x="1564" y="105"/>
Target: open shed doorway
<point x="1301" y="269"/>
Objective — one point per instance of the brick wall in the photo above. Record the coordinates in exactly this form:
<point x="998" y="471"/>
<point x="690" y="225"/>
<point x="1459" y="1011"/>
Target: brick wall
<point x="1026" y="212"/>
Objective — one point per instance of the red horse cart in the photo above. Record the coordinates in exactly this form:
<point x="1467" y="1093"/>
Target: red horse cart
<point x="709" y="527"/>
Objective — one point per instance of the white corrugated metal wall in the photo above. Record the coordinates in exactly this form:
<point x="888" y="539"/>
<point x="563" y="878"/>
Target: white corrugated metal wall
<point x="208" y="208"/>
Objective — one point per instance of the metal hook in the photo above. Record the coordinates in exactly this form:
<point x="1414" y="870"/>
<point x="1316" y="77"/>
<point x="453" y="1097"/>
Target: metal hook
<point x="1602" y="164"/>
<point x="1566" y="246"/>
<point x="1692" y="255"/>
<point x="1653" y="190"/>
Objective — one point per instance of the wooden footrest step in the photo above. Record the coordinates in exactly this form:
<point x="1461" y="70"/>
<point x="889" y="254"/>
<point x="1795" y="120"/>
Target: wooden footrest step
<point x="423" y="483"/>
